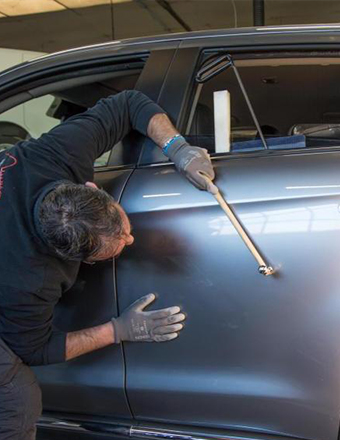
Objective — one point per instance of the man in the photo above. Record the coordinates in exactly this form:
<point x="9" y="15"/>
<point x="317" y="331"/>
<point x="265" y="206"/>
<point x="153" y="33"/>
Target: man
<point x="53" y="217"/>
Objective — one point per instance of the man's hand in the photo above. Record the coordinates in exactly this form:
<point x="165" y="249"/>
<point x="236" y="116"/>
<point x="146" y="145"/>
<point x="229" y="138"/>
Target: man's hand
<point x="155" y="326"/>
<point x="194" y="163"/>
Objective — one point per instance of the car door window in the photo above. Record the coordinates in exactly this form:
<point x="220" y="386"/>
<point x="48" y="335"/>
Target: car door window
<point x="285" y="94"/>
<point x="39" y="115"/>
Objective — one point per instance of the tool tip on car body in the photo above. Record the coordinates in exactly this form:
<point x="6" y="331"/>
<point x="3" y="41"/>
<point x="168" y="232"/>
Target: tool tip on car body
<point x="266" y="270"/>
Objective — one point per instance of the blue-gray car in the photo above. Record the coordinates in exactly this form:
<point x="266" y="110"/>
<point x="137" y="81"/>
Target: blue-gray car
<point x="259" y="357"/>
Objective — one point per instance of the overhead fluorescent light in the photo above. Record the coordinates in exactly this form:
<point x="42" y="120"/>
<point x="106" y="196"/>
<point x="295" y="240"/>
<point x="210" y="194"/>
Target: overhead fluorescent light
<point x="24" y="7"/>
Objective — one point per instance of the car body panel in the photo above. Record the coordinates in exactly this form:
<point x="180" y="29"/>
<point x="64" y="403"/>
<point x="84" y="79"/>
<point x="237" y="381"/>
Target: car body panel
<point x="257" y="353"/>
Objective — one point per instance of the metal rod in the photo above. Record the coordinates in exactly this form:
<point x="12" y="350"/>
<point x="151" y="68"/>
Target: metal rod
<point x="245" y="94"/>
<point x="264" y="268"/>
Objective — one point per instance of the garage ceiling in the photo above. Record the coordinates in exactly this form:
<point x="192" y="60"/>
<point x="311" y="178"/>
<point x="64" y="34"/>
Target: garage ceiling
<point x="10" y="8"/>
<point x="52" y="25"/>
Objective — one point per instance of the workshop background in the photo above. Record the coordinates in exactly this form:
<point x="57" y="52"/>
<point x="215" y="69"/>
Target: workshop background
<point x="53" y="25"/>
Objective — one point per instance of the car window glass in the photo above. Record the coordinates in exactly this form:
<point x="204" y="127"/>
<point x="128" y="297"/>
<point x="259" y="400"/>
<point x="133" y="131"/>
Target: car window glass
<point x="286" y="97"/>
<point x="25" y="121"/>
<point x="31" y="120"/>
<point x="39" y="115"/>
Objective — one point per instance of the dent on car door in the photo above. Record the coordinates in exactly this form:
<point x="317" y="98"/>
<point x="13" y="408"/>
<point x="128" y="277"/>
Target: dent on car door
<point x="257" y="354"/>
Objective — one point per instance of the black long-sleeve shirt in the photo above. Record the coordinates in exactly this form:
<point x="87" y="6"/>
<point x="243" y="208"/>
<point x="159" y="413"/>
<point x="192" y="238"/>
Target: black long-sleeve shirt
<point x="32" y="279"/>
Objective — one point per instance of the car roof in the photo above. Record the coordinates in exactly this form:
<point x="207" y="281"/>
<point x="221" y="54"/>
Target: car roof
<point x="185" y="36"/>
<point x="298" y="34"/>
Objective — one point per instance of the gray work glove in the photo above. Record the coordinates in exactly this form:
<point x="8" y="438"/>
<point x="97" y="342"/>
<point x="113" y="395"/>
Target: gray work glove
<point x="156" y="326"/>
<point x="193" y="163"/>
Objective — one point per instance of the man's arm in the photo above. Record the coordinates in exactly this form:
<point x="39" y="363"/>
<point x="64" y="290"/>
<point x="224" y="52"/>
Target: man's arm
<point x="84" y="341"/>
<point x="134" y="325"/>
<point x="160" y="129"/>
<point x="76" y="143"/>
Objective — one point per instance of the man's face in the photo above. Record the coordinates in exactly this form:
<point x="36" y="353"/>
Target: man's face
<point x="126" y="238"/>
<point x="113" y="247"/>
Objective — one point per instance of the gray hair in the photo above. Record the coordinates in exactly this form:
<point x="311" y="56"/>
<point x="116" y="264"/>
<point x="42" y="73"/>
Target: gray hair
<point x="76" y="219"/>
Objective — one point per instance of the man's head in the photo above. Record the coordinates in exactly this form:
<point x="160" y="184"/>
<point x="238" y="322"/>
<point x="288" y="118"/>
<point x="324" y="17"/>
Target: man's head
<point x="82" y="222"/>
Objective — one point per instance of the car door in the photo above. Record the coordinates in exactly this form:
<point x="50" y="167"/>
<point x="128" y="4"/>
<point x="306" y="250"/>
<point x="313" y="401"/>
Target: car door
<point x="257" y="354"/>
<point x="91" y="386"/>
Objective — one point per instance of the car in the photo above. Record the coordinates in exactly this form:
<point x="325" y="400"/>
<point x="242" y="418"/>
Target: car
<point x="259" y="357"/>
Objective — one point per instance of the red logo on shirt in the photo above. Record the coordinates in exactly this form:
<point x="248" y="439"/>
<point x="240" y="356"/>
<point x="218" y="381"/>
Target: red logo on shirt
<point x="3" y="168"/>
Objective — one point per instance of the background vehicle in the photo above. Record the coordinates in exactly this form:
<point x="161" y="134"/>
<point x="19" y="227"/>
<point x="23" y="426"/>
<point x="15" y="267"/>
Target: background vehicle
<point x="259" y="357"/>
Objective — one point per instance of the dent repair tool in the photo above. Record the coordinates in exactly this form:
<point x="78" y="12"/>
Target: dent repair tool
<point x="264" y="269"/>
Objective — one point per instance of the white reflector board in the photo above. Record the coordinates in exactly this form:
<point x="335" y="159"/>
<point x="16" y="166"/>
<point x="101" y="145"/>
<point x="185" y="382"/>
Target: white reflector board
<point x="222" y="121"/>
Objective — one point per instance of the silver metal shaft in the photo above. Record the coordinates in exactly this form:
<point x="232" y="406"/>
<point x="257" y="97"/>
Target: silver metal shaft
<point x="264" y="268"/>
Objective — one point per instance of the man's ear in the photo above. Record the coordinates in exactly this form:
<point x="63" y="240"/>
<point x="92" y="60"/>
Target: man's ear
<point x="91" y="185"/>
